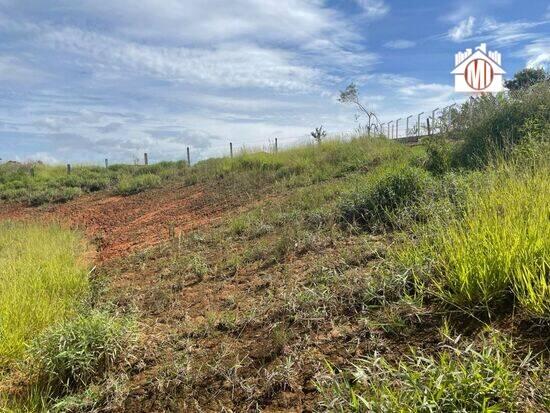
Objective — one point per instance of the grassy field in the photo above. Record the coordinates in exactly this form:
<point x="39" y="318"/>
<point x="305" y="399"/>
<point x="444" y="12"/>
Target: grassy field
<point x="360" y="276"/>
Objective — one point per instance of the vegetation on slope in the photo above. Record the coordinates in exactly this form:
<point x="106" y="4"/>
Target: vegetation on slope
<point x="37" y="184"/>
<point x="50" y="342"/>
<point x="372" y="277"/>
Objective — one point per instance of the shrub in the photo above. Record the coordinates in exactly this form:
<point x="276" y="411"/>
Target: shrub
<point x="490" y="126"/>
<point x="457" y="380"/>
<point x="57" y="195"/>
<point x="439" y="152"/>
<point x="135" y="184"/>
<point x="378" y="204"/>
<point x="69" y="356"/>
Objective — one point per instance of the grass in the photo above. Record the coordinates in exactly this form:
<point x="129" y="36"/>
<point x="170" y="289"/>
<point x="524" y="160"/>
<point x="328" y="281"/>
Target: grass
<point x="128" y="185"/>
<point x="42" y="279"/>
<point x="51" y="344"/>
<point x="69" y="356"/>
<point x="379" y="204"/>
<point x="37" y="184"/>
<point x="459" y="379"/>
<point x="495" y="250"/>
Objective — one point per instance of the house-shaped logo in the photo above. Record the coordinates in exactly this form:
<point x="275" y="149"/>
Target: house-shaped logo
<point x="479" y="71"/>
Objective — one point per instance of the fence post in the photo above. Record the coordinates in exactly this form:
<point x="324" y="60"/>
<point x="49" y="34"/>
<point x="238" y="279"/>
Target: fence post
<point x="106" y="163"/>
<point x="276" y="146"/>
<point x="418" y="124"/>
<point x="397" y="128"/>
<point x="188" y="157"/>
<point x="231" y="149"/>
<point x="32" y="171"/>
<point x="145" y="159"/>
<point x="428" y="123"/>
<point x="68" y="169"/>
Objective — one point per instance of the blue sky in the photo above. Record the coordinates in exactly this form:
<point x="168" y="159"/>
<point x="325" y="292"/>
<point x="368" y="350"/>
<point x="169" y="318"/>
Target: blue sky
<point x="85" y="80"/>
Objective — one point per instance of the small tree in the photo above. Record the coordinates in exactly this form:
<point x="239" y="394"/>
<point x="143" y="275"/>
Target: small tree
<point x="526" y="78"/>
<point x="351" y="96"/>
<point x="319" y="134"/>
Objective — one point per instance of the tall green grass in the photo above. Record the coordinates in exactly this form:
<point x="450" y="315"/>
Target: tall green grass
<point x="495" y="249"/>
<point x="42" y="278"/>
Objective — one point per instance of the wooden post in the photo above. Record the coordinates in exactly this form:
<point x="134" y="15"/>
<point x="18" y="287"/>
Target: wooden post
<point x="428" y="123"/>
<point x="106" y="163"/>
<point x="276" y="146"/>
<point x="68" y="169"/>
<point x="231" y="149"/>
<point x="188" y="157"/>
<point x="145" y="159"/>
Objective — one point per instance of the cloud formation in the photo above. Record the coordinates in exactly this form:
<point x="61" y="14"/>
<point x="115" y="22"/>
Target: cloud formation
<point x="462" y="30"/>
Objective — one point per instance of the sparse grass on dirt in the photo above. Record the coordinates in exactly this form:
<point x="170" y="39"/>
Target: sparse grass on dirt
<point x="460" y="378"/>
<point x="42" y="279"/>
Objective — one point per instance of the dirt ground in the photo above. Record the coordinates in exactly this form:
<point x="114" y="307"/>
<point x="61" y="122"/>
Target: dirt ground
<point x="120" y="225"/>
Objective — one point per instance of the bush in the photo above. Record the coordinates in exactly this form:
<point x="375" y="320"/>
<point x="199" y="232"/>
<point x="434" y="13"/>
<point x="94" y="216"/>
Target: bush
<point x="439" y="152"/>
<point x="135" y="184"/>
<point x="69" y="356"/>
<point x="57" y="195"/>
<point x="379" y="204"/>
<point x="457" y="380"/>
<point x="491" y="125"/>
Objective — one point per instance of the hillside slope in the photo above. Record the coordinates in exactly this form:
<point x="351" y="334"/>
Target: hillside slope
<point x="348" y="276"/>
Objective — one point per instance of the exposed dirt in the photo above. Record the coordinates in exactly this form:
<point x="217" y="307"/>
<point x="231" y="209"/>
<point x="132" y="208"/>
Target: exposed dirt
<point x="120" y="225"/>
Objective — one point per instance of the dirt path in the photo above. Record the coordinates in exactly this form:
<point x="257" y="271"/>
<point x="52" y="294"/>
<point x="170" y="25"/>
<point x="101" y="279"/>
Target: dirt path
<point x="121" y="225"/>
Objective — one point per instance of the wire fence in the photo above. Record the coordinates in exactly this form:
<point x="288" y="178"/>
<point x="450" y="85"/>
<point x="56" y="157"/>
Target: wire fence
<point x="418" y="125"/>
<point x="406" y="128"/>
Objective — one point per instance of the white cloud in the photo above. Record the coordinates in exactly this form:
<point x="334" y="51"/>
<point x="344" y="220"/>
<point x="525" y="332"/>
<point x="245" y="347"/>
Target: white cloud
<point x="463" y="30"/>
<point x="227" y="65"/>
<point x="498" y="33"/>
<point x="537" y="53"/>
<point x="40" y="156"/>
<point x="373" y="8"/>
<point x="400" y="44"/>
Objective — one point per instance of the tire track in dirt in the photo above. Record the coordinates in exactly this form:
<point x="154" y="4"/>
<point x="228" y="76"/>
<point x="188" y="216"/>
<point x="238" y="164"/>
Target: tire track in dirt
<point x="121" y="225"/>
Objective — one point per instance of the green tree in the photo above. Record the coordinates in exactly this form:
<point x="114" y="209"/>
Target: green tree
<point x="526" y="78"/>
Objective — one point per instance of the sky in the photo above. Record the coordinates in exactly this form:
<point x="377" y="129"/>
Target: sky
<point x="85" y="80"/>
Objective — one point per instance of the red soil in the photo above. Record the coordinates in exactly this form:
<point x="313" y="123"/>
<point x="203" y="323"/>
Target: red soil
<point x="121" y="225"/>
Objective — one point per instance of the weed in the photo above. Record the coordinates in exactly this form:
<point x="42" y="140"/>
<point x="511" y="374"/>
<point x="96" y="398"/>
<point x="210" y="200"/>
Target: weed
<point x="68" y="357"/>
<point x="459" y="379"/>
